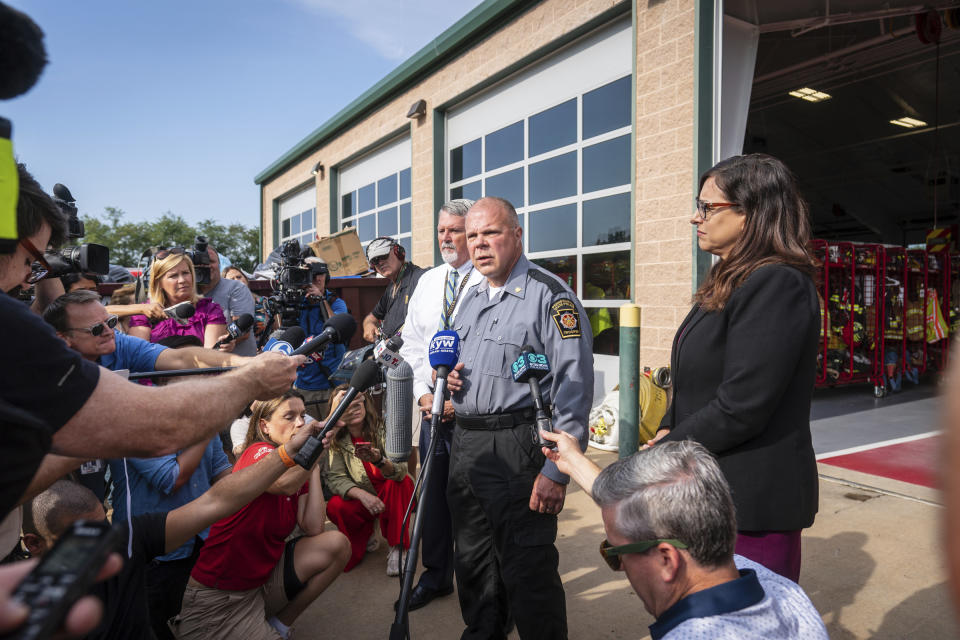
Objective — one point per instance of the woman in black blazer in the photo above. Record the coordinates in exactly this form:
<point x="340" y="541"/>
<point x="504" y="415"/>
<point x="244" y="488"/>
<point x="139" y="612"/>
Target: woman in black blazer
<point x="744" y="358"/>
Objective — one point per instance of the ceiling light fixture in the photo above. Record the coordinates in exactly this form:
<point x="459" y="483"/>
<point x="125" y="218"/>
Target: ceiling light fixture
<point x="810" y="95"/>
<point x="908" y="122"/>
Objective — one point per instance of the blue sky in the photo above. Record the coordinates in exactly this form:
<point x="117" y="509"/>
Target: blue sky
<point x="176" y="106"/>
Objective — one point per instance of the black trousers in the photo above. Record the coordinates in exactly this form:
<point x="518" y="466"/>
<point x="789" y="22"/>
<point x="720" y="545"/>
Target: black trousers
<point x="437" y="540"/>
<point x="506" y="561"/>
<point x="166" y="582"/>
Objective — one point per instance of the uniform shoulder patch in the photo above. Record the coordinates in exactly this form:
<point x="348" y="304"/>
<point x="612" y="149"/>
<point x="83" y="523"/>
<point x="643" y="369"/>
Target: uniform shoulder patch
<point x="566" y="317"/>
<point x="552" y="283"/>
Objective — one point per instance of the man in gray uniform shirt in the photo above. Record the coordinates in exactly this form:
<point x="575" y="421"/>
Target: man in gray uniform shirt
<point x="504" y="495"/>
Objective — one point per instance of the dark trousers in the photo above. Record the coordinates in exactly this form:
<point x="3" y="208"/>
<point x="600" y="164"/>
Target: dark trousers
<point x="506" y="561"/>
<point x="166" y="582"/>
<point x="437" y="539"/>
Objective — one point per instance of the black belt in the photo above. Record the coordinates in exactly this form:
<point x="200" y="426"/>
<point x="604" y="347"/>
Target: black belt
<point x="495" y="421"/>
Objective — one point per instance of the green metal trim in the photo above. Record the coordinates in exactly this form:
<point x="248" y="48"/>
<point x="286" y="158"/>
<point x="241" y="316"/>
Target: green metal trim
<point x="465" y="33"/>
<point x="276" y="224"/>
<point x="333" y="177"/>
<point x="633" y="159"/>
<point x="703" y="91"/>
<point x="599" y="21"/>
<point x="439" y="171"/>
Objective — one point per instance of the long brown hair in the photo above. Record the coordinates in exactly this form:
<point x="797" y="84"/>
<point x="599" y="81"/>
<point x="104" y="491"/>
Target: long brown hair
<point x="776" y="229"/>
<point x="264" y="410"/>
<point x="371" y="422"/>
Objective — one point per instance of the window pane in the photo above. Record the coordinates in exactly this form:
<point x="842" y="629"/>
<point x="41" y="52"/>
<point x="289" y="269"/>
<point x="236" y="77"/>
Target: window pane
<point x="405" y="184"/>
<point x="366" y="198"/>
<point x="504" y="146"/>
<point x="405" y="243"/>
<point x="306" y="239"/>
<point x="606" y="164"/>
<point x="348" y="204"/>
<point x="387" y="190"/>
<point x="285" y="228"/>
<point x="605" y="324"/>
<point x="366" y="228"/>
<point x="307" y="220"/>
<point x="405" y="218"/>
<point x="465" y="161"/>
<point x="606" y="276"/>
<point x="553" y="178"/>
<point x="554" y="228"/>
<point x="564" y="267"/>
<point x="508" y="186"/>
<point x="471" y="191"/>
<point x="387" y="222"/>
<point x="295" y="225"/>
<point x="553" y="128"/>
<point x="606" y="220"/>
<point x="606" y="108"/>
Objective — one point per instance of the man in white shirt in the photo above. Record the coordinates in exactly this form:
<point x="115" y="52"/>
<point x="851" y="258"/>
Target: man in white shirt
<point x="432" y="307"/>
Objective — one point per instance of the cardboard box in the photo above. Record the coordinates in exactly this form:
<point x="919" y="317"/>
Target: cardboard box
<point x="342" y="252"/>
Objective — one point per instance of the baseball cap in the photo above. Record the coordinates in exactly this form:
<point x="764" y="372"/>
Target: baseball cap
<point x="379" y="248"/>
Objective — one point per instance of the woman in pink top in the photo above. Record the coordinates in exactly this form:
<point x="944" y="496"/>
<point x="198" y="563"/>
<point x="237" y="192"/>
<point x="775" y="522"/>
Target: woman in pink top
<point x="172" y="279"/>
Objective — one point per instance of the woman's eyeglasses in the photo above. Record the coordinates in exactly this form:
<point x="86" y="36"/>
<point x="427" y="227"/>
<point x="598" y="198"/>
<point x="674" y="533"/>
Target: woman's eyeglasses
<point x="97" y="330"/>
<point x="40" y="267"/>
<point x="612" y="554"/>
<point x="704" y="208"/>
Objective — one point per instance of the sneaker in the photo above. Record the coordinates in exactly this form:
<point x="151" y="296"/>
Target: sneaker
<point x="393" y="562"/>
<point x="373" y="543"/>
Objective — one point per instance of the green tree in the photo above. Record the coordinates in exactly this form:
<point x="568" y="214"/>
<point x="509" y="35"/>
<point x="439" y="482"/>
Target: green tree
<point x="128" y="241"/>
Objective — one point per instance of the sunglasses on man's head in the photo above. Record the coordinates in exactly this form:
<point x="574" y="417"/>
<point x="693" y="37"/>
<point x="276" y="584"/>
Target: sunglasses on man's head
<point x="97" y="330"/>
<point x="612" y="553"/>
<point x="165" y="253"/>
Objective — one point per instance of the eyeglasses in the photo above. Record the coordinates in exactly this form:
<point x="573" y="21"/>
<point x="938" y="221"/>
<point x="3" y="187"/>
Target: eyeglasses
<point x="704" y="208"/>
<point x="376" y="262"/>
<point x="40" y="267"/>
<point x="97" y="330"/>
<point x="165" y="253"/>
<point x="612" y="554"/>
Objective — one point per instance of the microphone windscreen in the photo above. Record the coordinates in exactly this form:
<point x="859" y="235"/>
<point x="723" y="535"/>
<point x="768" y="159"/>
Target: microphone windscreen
<point x="398" y="412"/>
<point x="366" y="375"/>
<point x="345" y="326"/>
<point x="285" y="340"/>
<point x="444" y="349"/>
<point x="244" y="322"/>
<point x="529" y="365"/>
<point x="22" y="54"/>
<point x="184" y="310"/>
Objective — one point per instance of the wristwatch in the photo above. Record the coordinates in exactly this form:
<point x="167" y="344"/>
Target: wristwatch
<point x="382" y="461"/>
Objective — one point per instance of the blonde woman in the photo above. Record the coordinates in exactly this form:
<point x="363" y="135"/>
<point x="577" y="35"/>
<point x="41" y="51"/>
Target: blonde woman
<point x="249" y="581"/>
<point x="367" y="485"/>
<point x="172" y="281"/>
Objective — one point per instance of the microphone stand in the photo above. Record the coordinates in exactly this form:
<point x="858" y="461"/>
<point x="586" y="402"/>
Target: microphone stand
<point x="400" y="629"/>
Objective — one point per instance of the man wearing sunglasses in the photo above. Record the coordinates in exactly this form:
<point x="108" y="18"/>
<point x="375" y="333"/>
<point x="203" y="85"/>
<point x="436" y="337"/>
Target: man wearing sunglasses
<point x="388" y="258"/>
<point x="670" y="525"/>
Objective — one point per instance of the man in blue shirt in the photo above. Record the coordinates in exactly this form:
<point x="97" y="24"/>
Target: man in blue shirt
<point x="313" y="381"/>
<point x="670" y="526"/>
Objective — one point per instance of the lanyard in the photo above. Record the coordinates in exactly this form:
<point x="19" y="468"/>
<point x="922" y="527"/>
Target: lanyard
<point x="448" y="311"/>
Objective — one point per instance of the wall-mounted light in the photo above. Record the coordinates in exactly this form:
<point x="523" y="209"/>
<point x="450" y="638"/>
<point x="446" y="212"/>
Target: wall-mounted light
<point x="908" y="122"/>
<point x="810" y="95"/>
<point x="417" y="110"/>
<point x="317" y="170"/>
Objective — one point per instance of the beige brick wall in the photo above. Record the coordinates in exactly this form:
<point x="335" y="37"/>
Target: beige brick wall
<point x="665" y="173"/>
<point x="664" y="126"/>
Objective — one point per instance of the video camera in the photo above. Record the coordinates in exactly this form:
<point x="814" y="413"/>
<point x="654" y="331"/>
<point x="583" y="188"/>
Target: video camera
<point x="292" y="277"/>
<point x="83" y="258"/>
<point x="201" y="260"/>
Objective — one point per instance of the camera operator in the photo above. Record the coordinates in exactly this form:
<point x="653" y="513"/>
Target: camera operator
<point x="96" y="414"/>
<point x="313" y="381"/>
<point x="234" y="299"/>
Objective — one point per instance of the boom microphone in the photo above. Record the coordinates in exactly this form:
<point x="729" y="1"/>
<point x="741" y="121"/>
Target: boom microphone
<point x="398" y="412"/>
<point x="530" y="367"/>
<point x="444" y="353"/>
<point x="236" y="329"/>
<point x="181" y="312"/>
<point x="339" y="329"/>
<point x="285" y="340"/>
<point x="366" y="375"/>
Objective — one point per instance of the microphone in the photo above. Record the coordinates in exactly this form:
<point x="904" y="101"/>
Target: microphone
<point x="181" y="312"/>
<point x="530" y="367"/>
<point x="339" y="329"/>
<point x="285" y="340"/>
<point x="236" y="329"/>
<point x="398" y="412"/>
<point x="444" y="353"/>
<point x="366" y="375"/>
<point x="387" y="352"/>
